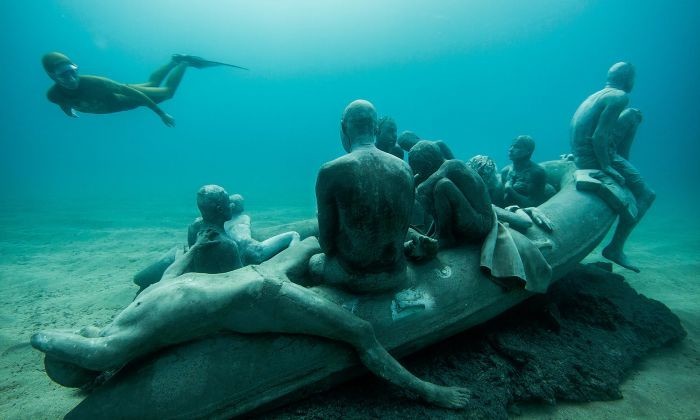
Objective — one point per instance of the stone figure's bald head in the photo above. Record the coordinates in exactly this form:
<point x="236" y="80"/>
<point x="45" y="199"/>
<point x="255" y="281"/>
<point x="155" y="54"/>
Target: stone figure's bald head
<point x="407" y="139"/>
<point x="213" y="203"/>
<point x="359" y="119"/>
<point x="621" y="76"/>
<point x="386" y="136"/>
<point x="424" y="159"/>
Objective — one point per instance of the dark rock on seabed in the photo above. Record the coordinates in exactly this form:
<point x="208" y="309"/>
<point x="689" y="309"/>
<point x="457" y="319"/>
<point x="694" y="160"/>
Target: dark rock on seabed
<point x="576" y="343"/>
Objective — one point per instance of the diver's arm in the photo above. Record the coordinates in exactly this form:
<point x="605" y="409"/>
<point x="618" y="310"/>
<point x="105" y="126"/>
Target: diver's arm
<point x="148" y="102"/>
<point x="68" y="110"/>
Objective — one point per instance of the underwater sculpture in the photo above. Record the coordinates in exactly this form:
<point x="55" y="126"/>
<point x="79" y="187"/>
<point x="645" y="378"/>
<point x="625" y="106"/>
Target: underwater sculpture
<point x="597" y="128"/>
<point x="488" y="171"/>
<point x="254" y="251"/>
<point x="453" y="194"/>
<point x="230" y="243"/>
<point x="99" y="95"/>
<point x="231" y="374"/>
<point x="386" y="137"/>
<point x="365" y="199"/>
<point x="524" y="182"/>
<point x="255" y="299"/>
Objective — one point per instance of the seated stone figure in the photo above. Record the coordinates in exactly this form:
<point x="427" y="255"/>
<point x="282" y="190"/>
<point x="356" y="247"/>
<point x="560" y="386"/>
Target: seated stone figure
<point x="219" y="256"/>
<point x="596" y="135"/>
<point x="253" y="299"/>
<point x="517" y="218"/>
<point x="253" y="251"/>
<point x="488" y="171"/>
<point x="386" y="137"/>
<point x="364" y="199"/>
<point x="524" y="182"/>
<point x="453" y="194"/>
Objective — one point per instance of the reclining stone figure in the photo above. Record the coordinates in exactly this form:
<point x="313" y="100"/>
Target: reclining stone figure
<point x="252" y="299"/>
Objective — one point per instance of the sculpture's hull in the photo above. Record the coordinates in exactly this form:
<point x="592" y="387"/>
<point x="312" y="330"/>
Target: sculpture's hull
<point x="229" y="375"/>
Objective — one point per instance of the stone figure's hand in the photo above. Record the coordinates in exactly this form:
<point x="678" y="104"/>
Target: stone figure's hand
<point x="168" y="120"/>
<point x="614" y="175"/>
<point x="539" y="218"/>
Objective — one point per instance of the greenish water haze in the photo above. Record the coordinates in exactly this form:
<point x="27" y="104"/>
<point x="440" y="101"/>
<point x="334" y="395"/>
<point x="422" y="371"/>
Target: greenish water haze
<point x="473" y="73"/>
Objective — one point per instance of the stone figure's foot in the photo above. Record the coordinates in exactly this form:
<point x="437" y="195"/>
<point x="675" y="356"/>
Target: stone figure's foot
<point x="421" y="248"/>
<point x="619" y="257"/>
<point x="447" y="396"/>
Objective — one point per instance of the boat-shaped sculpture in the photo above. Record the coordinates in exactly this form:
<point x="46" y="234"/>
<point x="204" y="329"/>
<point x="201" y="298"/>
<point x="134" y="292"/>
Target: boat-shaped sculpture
<point x="233" y="374"/>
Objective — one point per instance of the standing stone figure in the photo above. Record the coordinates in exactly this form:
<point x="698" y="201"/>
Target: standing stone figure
<point x="365" y="199"/>
<point x="593" y="141"/>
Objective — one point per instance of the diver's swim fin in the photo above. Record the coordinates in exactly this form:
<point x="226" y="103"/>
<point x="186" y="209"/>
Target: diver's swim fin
<point x="200" y="63"/>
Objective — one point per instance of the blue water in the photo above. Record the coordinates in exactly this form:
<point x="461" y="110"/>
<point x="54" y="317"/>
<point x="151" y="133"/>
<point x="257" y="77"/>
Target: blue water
<point x="473" y="73"/>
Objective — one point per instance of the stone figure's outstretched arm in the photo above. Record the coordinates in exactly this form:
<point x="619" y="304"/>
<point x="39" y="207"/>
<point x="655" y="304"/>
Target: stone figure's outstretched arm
<point x="517" y="221"/>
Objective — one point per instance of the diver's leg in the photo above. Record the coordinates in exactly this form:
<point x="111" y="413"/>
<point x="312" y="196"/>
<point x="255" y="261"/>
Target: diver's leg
<point x="289" y="308"/>
<point x="159" y="75"/>
<point x="159" y="94"/>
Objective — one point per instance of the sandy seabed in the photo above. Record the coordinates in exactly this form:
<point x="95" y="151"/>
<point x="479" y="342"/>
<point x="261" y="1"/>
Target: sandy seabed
<point x="73" y="267"/>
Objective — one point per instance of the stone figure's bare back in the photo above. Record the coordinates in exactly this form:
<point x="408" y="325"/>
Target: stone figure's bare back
<point x="373" y="194"/>
<point x="586" y="117"/>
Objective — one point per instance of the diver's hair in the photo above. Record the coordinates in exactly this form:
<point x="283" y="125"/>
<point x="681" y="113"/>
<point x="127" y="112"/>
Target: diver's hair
<point x="54" y="59"/>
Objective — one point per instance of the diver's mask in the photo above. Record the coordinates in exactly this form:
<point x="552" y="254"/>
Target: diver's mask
<point x="66" y="75"/>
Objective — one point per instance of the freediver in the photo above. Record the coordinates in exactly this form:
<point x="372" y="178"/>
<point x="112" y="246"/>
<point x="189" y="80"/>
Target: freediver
<point x="100" y="95"/>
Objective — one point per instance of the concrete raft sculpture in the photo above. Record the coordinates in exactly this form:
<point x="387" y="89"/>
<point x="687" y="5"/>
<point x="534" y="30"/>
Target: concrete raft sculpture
<point x="233" y="374"/>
